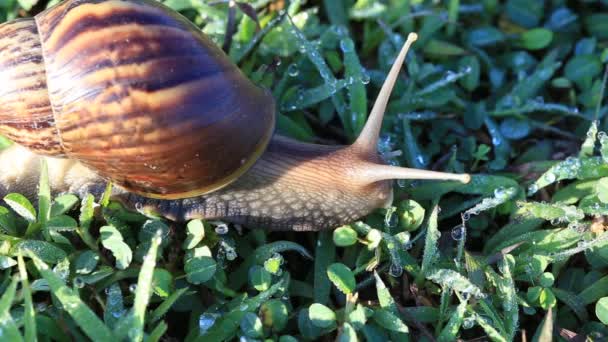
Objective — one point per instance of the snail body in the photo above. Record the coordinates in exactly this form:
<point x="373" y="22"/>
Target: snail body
<point x="130" y="91"/>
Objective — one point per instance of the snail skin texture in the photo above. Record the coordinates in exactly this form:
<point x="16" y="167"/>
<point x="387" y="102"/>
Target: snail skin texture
<point x="129" y="91"/>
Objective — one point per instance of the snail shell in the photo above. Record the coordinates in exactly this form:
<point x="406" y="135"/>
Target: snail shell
<point x="134" y="91"/>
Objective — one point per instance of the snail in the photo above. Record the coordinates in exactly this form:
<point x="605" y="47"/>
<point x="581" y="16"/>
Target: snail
<point x="131" y="92"/>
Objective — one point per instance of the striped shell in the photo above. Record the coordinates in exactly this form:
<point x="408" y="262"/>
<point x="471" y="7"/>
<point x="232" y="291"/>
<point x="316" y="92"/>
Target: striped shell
<point x="134" y="91"/>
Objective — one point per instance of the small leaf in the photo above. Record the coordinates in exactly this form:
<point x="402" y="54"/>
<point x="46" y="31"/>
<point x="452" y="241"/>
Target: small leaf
<point x="342" y="277"/>
<point x="601" y="310"/>
<point x="347" y="333"/>
<point x="45" y="251"/>
<point x="260" y="278"/>
<point x="144" y="290"/>
<point x="274" y="314"/>
<point x="86" y="319"/>
<point x="251" y="325"/>
<point x="200" y="269"/>
<point x="162" y="282"/>
<point x="112" y="240"/>
<point x="411" y="215"/>
<point x="485" y="36"/>
<point x="389" y="321"/>
<point x="196" y="233"/>
<point x="547" y="299"/>
<point x="536" y="39"/>
<point x="321" y="316"/>
<point x="344" y="236"/>
<point x="86" y="262"/>
<point x="21" y="206"/>
<point x="63" y="204"/>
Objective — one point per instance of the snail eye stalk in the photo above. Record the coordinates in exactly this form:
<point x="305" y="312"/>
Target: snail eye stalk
<point x="368" y="139"/>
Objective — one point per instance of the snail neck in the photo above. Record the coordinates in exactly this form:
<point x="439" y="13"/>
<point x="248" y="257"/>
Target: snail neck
<point x="293" y="186"/>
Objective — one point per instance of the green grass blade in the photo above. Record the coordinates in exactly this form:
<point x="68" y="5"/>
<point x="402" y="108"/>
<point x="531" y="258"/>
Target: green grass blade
<point x="29" y="317"/>
<point x="144" y="290"/>
<point x="9" y="329"/>
<point x="325" y="254"/>
<point x="73" y="305"/>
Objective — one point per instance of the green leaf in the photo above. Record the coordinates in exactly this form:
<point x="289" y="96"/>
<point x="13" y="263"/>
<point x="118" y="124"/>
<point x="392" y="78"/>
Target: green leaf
<point x="451" y="329"/>
<point x="112" y="240"/>
<point x="63" y="204"/>
<point x="325" y="254"/>
<point x="389" y="321"/>
<point x="45" y="251"/>
<point x="200" y="269"/>
<point x="602" y="189"/>
<point x="411" y="215"/>
<point x="430" y="254"/>
<point x="44" y="193"/>
<point x="86" y="262"/>
<point x="342" y="277"/>
<point x="547" y="299"/>
<point x="144" y="290"/>
<point x="454" y="280"/>
<point x="321" y="316"/>
<point x="582" y="69"/>
<point x="347" y="333"/>
<point x="485" y="36"/>
<point x="86" y="319"/>
<point x="29" y="313"/>
<point x="251" y="325"/>
<point x="162" y="282"/>
<point x="164" y="307"/>
<point x="22" y="206"/>
<point x="274" y="314"/>
<point x="601" y="309"/>
<point x="9" y="329"/>
<point x="344" y="236"/>
<point x="260" y="278"/>
<point x="536" y="39"/>
<point x="196" y="233"/>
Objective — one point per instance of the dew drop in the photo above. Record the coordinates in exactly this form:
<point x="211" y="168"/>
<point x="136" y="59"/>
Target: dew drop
<point x="293" y="70"/>
<point x="78" y="282"/>
<point x="468" y="323"/>
<point x="132" y="288"/>
<point x="347" y="45"/>
<point x="221" y="229"/>
<point x="458" y="233"/>
<point x="365" y="78"/>
<point x="550" y="177"/>
<point x="499" y="193"/>
<point x="206" y="321"/>
<point x="395" y="270"/>
<point x="532" y="189"/>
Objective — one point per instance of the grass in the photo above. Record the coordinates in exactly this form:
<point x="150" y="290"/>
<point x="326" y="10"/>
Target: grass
<point x="509" y="91"/>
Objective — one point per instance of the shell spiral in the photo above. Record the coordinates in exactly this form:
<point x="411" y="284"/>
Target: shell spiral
<point x="135" y="92"/>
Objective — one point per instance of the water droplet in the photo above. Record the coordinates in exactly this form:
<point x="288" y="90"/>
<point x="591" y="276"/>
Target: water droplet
<point x="206" y="321"/>
<point x="458" y="232"/>
<point x="420" y="159"/>
<point x="78" y="282"/>
<point x="221" y="229"/>
<point x="132" y="288"/>
<point x="532" y="189"/>
<point x="466" y="216"/>
<point x="499" y="193"/>
<point x="365" y="78"/>
<point x="395" y="270"/>
<point x="293" y="70"/>
<point x="468" y="323"/>
<point x="550" y="177"/>
<point x="391" y="220"/>
<point x="347" y="45"/>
